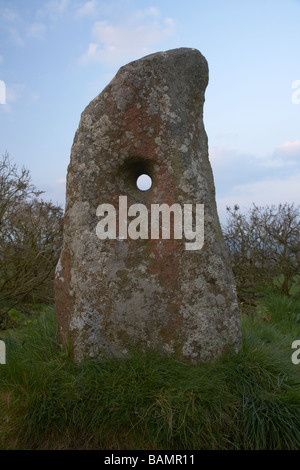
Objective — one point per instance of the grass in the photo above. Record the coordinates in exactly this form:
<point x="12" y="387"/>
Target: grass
<point x="246" y="401"/>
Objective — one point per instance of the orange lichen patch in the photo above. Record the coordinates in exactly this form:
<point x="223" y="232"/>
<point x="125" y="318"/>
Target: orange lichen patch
<point x="63" y="298"/>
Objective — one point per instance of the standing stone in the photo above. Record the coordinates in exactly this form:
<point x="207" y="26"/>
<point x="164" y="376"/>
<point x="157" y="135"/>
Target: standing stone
<point x="151" y="293"/>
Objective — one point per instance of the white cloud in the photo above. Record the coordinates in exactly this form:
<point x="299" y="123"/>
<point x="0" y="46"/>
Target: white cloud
<point x="285" y="155"/>
<point x="245" y="179"/>
<point x="272" y="191"/>
<point x="36" y="30"/>
<point x="288" y="150"/>
<point x="17" y="92"/>
<point x="56" y="192"/>
<point x="14" y="92"/>
<point x="137" y="35"/>
<point x="11" y="22"/>
<point x="15" y="37"/>
<point x="232" y="167"/>
<point x="9" y="15"/>
<point x="53" y="9"/>
<point x="59" y="6"/>
<point x="152" y="11"/>
<point x="88" y="9"/>
<point x="262" y="193"/>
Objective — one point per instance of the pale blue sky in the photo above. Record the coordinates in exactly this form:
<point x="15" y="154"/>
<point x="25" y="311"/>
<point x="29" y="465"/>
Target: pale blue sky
<point x="57" y="55"/>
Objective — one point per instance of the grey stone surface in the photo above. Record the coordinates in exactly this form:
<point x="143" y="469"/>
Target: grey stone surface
<point x="112" y="294"/>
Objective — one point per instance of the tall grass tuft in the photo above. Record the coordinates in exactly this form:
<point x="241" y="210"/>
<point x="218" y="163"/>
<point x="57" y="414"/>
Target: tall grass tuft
<point x="246" y="401"/>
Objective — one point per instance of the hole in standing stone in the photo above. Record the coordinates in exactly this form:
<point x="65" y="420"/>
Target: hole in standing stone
<point x="144" y="182"/>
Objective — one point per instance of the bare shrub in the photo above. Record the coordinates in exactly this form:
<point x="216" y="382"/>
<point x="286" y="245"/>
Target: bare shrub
<point x="30" y="238"/>
<point x="264" y="246"/>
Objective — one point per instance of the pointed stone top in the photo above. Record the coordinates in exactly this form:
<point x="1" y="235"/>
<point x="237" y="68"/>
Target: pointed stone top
<point x="176" y="63"/>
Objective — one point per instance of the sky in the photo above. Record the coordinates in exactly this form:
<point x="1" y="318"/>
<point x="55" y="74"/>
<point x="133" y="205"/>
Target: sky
<point x="57" y="55"/>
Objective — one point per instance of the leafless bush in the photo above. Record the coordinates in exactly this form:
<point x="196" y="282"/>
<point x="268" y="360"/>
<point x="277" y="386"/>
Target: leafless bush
<point x="264" y="246"/>
<point x="30" y="238"/>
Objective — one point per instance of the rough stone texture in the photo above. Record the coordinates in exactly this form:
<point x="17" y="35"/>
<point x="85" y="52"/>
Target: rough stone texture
<point x="111" y="294"/>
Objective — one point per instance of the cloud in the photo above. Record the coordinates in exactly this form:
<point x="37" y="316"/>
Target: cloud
<point x="18" y="29"/>
<point x="36" y="30"/>
<point x="152" y="11"/>
<point x="15" y="36"/>
<point x="18" y="92"/>
<point x="11" y="22"/>
<point x="60" y="5"/>
<point x="88" y="9"/>
<point x="55" y="192"/>
<point x="133" y="37"/>
<point x="232" y="167"/>
<point x="288" y="150"/>
<point x="61" y="181"/>
<point x="9" y="16"/>
<point x="13" y="93"/>
<point x="285" y="155"/>
<point x="53" y="9"/>
<point x="272" y="191"/>
<point x="244" y="179"/>
<point x="262" y="193"/>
